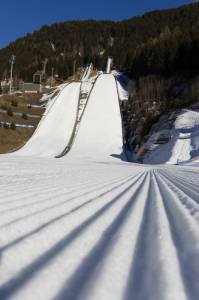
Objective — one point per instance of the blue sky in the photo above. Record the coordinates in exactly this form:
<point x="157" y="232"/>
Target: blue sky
<point x="18" y="17"/>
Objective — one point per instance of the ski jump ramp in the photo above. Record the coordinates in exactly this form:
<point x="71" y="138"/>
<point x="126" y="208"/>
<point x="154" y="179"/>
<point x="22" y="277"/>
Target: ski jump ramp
<point x="89" y="226"/>
<point x="100" y="133"/>
<point x="55" y="128"/>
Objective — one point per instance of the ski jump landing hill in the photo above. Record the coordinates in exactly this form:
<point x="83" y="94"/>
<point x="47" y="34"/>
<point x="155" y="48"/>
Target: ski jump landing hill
<point x="100" y="132"/>
<point x="56" y="126"/>
<point x="89" y="226"/>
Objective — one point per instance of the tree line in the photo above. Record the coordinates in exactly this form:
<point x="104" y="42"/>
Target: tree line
<point x="161" y="42"/>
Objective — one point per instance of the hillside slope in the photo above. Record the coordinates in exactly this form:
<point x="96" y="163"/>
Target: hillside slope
<point x="91" y="40"/>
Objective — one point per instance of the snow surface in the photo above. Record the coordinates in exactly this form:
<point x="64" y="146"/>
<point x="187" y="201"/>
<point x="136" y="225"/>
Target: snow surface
<point x="184" y="143"/>
<point x="100" y="135"/>
<point x="122" y="84"/>
<point x="90" y="226"/>
<point x="55" y="128"/>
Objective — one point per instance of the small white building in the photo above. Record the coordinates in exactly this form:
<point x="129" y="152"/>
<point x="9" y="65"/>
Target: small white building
<point x="32" y="88"/>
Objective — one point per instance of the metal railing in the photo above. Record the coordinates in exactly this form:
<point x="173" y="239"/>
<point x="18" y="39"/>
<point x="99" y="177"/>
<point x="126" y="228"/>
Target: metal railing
<point x="122" y="121"/>
<point x="77" y="122"/>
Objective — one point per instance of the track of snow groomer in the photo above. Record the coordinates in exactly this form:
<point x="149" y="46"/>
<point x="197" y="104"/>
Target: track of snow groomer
<point x="94" y="227"/>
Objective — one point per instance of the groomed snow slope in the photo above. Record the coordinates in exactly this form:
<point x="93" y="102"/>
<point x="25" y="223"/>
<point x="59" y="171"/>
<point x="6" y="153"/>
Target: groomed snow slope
<point x="82" y="230"/>
<point x="100" y="132"/>
<point x="55" y="128"/>
<point x="77" y="228"/>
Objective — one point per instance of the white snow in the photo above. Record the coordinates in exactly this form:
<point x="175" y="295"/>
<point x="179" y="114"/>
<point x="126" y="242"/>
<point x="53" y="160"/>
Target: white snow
<point x="184" y="143"/>
<point x="122" y="84"/>
<point x="55" y="128"/>
<point x="100" y="135"/>
<point x="90" y="226"/>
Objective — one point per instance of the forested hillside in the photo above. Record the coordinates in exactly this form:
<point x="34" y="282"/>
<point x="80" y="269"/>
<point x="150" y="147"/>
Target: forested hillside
<point x="161" y="42"/>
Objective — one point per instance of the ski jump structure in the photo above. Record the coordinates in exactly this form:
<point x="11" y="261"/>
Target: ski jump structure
<point x="97" y="130"/>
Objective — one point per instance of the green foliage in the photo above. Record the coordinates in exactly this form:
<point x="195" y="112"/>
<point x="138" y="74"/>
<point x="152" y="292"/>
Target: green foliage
<point x="6" y="126"/>
<point x="24" y="116"/>
<point x="173" y="51"/>
<point x="4" y="107"/>
<point x="13" y="126"/>
<point x="14" y="103"/>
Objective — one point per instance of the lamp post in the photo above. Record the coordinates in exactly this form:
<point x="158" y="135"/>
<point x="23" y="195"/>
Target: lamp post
<point x="74" y="68"/>
<point x="12" y="61"/>
<point x="52" y="77"/>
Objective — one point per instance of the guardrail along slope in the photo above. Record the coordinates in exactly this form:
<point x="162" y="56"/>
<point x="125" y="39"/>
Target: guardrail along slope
<point x="79" y="115"/>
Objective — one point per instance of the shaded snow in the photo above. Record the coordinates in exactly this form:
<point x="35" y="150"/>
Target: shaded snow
<point x="184" y="143"/>
<point x="122" y="84"/>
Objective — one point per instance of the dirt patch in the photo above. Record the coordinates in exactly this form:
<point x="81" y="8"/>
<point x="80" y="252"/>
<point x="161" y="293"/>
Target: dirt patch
<point x="19" y="120"/>
<point x="11" y="139"/>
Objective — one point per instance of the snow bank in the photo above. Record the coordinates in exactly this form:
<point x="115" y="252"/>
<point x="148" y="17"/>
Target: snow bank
<point x="183" y="145"/>
<point x="122" y="83"/>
